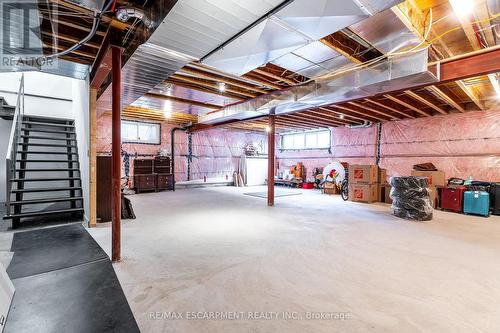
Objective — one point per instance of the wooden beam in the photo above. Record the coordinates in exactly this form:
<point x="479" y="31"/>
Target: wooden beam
<point x="190" y="79"/>
<point x="334" y="118"/>
<point x="424" y="101"/>
<point x="329" y="110"/>
<point x="92" y="158"/>
<point x="203" y="89"/>
<point x="403" y="103"/>
<point x="265" y="83"/>
<point x="321" y="122"/>
<point x="339" y="49"/>
<point x="182" y="100"/>
<point x="71" y="39"/>
<point x="412" y="17"/>
<point x="308" y="115"/>
<point x="363" y="114"/>
<point x="361" y="106"/>
<point x="405" y="114"/>
<point x="220" y="78"/>
<point x="274" y="76"/>
<point x="446" y="98"/>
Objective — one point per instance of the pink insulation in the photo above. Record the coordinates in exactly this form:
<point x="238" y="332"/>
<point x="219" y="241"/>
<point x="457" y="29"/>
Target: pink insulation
<point x="216" y="152"/>
<point x="355" y="146"/>
<point x="462" y="145"/>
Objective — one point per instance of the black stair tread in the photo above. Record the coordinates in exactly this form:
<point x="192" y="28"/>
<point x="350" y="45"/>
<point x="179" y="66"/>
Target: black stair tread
<point x="46" y="138"/>
<point x="44" y="118"/>
<point x="46" y="152"/>
<point x="43" y="179"/>
<point x="43" y="212"/>
<point x="46" y="145"/>
<point x="46" y="189"/>
<point x="40" y="123"/>
<point x="47" y="170"/>
<point x="46" y="161"/>
<point x="47" y="200"/>
<point x="45" y="131"/>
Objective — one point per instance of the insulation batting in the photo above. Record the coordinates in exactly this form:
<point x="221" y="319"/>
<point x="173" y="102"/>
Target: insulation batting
<point x="351" y="145"/>
<point x="462" y="145"/>
<point x="216" y="152"/>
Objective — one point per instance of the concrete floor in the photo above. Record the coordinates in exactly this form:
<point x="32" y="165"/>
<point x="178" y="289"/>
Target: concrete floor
<point x="215" y="249"/>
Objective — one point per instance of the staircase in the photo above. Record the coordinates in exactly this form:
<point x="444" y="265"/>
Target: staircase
<point x="46" y="173"/>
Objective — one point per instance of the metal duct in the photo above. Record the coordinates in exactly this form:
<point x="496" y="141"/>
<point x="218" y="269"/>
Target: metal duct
<point x="191" y="29"/>
<point x="394" y="73"/>
<point x="386" y="32"/>
<point x="290" y="28"/>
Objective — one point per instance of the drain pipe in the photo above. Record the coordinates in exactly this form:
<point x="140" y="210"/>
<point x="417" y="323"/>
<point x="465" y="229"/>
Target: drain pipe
<point x="172" y="150"/>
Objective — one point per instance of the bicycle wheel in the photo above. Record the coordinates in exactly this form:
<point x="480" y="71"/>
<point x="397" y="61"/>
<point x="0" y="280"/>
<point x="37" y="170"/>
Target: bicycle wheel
<point x="344" y="190"/>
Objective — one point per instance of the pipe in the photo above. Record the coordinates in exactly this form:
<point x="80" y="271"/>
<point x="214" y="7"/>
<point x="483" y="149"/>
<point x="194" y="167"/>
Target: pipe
<point x="116" y="199"/>
<point x="365" y="124"/>
<point x="172" y="150"/>
<point x="271" y="137"/>
<point x="95" y="25"/>
<point x="123" y="14"/>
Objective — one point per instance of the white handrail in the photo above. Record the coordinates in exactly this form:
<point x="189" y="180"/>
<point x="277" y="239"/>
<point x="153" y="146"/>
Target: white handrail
<point x="15" y="131"/>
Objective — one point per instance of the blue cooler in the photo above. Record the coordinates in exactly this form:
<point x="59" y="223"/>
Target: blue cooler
<point x="477" y="202"/>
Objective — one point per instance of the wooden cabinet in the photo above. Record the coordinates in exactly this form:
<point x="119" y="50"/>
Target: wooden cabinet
<point x="153" y="174"/>
<point x="165" y="182"/>
<point x="145" y="183"/>
<point x="104" y="188"/>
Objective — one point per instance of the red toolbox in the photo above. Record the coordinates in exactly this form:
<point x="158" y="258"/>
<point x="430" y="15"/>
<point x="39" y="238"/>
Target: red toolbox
<point x="452" y="198"/>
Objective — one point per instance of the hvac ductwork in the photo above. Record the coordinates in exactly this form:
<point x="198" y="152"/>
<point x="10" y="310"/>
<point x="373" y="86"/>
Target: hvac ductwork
<point x="397" y="72"/>
<point x="124" y="14"/>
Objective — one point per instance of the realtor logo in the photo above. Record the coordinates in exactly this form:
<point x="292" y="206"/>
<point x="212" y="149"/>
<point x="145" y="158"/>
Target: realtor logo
<point x="21" y="44"/>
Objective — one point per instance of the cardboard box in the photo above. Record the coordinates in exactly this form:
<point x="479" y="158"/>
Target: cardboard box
<point x="363" y="174"/>
<point x="382" y="176"/>
<point x="387" y="192"/>
<point x="436" y="178"/>
<point x="330" y="188"/>
<point x="363" y="192"/>
<point x="433" y="196"/>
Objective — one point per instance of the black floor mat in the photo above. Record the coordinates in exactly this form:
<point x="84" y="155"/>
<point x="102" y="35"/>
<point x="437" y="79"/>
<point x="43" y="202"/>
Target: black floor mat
<point x="85" y="298"/>
<point x="45" y="250"/>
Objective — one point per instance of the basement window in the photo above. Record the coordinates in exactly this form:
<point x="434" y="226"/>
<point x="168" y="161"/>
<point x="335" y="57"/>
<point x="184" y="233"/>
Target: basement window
<point x="140" y="132"/>
<point x="306" y="140"/>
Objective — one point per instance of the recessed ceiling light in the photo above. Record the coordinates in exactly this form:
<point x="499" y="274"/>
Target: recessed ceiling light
<point x="341" y="116"/>
<point x="463" y="8"/>
<point x="268" y="129"/>
<point x="221" y="86"/>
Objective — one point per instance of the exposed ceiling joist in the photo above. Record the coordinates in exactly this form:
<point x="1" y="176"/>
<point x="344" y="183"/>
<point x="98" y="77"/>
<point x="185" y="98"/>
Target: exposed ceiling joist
<point x="362" y="106"/>
<point x="405" y="114"/>
<point x="424" y="101"/>
<point x="208" y="84"/>
<point x="446" y="98"/>
<point x="407" y="105"/>
<point x="182" y="100"/>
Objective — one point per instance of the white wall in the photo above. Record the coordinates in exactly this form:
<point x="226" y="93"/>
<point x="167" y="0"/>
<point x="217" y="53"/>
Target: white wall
<point x="45" y="94"/>
<point x="80" y="108"/>
<point x="56" y="96"/>
<point x="5" y="126"/>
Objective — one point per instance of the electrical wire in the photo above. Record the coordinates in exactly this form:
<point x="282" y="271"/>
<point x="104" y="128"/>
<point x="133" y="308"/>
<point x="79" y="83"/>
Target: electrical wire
<point x="95" y="25"/>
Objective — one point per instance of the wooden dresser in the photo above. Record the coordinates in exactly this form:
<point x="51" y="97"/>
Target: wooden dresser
<point x="144" y="177"/>
<point x="153" y="174"/>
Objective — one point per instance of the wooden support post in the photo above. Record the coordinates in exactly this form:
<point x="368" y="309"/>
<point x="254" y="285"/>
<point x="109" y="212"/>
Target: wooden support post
<point x="116" y="153"/>
<point x="270" y="160"/>
<point x="92" y="158"/>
